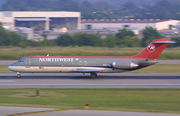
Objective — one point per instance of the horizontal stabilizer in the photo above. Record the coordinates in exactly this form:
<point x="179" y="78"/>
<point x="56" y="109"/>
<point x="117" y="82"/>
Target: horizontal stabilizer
<point x="164" y="42"/>
<point x="87" y="70"/>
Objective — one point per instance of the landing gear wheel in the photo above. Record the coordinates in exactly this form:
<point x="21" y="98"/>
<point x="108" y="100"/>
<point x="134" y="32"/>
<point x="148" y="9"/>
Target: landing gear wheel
<point x="18" y="75"/>
<point x="93" y="75"/>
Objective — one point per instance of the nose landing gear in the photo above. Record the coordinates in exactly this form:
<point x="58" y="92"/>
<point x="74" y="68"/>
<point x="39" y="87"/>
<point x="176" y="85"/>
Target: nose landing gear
<point x="93" y="75"/>
<point x="18" y="75"/>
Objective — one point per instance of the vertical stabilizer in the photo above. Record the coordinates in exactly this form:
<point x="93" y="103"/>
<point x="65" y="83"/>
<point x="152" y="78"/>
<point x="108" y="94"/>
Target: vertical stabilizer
<point x="154" y="49"/>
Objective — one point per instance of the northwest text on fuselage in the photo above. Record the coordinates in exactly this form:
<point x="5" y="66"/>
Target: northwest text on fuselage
<point x="56" y="59"/>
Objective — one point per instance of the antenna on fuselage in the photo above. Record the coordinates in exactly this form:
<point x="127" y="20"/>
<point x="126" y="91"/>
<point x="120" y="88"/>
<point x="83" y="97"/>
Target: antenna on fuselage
<point x="47" y="54"/>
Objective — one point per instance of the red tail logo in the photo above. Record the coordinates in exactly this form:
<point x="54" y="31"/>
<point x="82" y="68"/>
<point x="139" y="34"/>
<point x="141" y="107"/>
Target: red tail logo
<point x="151" y="48"/>
<point x="154" y="49"/>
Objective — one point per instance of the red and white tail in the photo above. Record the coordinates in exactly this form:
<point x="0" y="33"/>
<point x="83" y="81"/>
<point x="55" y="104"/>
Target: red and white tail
<point x="154" y="49"/>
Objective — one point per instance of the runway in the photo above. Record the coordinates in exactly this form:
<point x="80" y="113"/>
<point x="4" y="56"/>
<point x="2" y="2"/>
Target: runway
<point x="109" y="80"/>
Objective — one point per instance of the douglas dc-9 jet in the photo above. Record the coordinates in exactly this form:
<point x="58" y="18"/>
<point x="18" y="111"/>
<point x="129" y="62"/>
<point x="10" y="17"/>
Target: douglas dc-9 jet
<point x="90" y="64"/>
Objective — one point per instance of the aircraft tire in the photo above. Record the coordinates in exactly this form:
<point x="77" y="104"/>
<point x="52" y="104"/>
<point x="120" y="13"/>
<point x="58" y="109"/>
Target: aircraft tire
<point x="18" y="76"/>
<point x="93" y="75"/>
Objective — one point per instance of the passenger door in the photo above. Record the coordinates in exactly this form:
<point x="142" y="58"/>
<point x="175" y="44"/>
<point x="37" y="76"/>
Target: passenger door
<point x="27" y="63"/>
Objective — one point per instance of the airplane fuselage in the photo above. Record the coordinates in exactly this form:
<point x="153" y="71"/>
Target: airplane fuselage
<point x="64" y="64"/>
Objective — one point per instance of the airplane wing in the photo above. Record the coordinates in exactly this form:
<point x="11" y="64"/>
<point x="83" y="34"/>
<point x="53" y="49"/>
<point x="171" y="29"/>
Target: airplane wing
<point x="87" y="70"/>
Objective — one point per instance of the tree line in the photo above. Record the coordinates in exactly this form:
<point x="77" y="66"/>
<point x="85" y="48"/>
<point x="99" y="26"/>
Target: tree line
<point x="163" y="9"/>
<point x="123" y="38"/>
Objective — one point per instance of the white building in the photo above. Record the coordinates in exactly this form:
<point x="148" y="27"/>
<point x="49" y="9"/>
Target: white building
<point x="46" y="20"/>
<point x="131" y="23"/>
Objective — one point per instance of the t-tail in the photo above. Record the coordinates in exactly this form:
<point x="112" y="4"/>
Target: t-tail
<point x="154" y="49"/>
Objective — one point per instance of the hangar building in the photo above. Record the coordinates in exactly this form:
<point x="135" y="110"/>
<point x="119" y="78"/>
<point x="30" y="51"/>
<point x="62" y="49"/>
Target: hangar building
<point x="131" y="23"/>
<point x="46" y="20"/>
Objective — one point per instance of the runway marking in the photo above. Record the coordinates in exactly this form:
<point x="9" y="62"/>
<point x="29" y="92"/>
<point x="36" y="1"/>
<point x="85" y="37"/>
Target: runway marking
<point x="36" y="112"/>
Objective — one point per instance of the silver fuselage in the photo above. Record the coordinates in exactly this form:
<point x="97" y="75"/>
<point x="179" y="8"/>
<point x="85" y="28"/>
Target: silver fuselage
<point x="78" y="64"/>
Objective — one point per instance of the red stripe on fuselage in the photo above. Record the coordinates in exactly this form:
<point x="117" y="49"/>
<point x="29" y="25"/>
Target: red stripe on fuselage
<point x="81" y="57"/>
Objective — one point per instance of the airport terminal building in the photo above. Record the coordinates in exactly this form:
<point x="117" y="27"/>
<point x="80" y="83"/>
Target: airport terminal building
<point x="32" y="24"/>
<point x="132" y="24"/>
<point x="44" y="20"/>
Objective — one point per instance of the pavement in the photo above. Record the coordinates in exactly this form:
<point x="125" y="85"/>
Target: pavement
<point x="24" y="111"/>
<point x="4" y="110"/>
<point x="104" y="80"/>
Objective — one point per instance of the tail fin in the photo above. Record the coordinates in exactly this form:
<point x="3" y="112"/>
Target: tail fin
<point x="154" y="49"/>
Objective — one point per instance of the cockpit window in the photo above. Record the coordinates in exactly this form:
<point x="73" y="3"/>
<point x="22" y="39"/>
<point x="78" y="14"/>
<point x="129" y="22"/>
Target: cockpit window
<point x="21" y="60"/>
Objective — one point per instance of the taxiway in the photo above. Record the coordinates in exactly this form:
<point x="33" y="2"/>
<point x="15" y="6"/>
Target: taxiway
<point x="23" y="111"/>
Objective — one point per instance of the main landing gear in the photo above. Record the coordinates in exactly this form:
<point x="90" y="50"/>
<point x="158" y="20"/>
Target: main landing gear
<point x="93" y="75"/>
<point x="18" y="75"/>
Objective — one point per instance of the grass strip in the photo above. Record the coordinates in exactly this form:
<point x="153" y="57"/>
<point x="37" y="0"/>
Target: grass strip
<point x="157" y="68"/>
<point x="4" y="69"/>
<point x="138" y="100"/>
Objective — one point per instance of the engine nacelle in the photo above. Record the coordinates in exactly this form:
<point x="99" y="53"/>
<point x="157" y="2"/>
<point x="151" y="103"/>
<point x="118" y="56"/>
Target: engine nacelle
<point x="124" y="65"/>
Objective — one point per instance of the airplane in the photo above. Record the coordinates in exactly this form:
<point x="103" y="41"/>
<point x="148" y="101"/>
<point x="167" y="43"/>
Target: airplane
<point x="90" y="64"/>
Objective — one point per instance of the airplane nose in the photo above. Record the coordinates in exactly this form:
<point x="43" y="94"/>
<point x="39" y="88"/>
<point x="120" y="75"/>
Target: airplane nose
<point x="10" y="67"/>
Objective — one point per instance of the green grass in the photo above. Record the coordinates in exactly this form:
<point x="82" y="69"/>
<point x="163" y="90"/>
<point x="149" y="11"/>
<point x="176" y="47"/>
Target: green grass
<point x="157" y="68"/>
<point x="4" y="69"/>
<point x="140" y="100"/>
<point x="160" y="68"/>
<point x="15" y="53"/>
